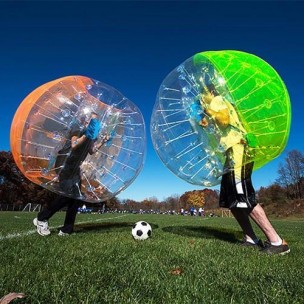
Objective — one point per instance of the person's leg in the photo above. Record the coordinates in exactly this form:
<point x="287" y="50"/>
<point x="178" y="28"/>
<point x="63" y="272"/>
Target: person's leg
<point x="241" y="178"/>
<point x="41" y="222"/>
<point x="70" y="216"/>
<point x="47" y="212"/>
<point x="237" y="192"/>
<point x="242" y="217"/>
<point x="274" y="244"/>
<point x="259" y="217"/>
<point x="236" y="187"/>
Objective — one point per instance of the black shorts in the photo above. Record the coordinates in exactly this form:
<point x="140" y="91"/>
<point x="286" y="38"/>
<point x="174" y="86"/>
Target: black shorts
<point x="237" y="193"/>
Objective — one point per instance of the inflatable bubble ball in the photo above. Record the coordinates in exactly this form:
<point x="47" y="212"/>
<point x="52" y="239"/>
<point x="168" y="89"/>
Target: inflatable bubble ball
<point x="80" y="138"/>
<point x="212" y="102"/>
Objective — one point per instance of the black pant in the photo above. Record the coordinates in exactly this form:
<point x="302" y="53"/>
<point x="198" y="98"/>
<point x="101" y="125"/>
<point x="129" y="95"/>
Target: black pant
<point x="237" y="189"/>
<point x="58" y="204"/>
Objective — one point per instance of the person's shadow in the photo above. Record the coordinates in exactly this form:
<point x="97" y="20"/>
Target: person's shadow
<point x="105" y="227"/>
<point x="224" y="234"/>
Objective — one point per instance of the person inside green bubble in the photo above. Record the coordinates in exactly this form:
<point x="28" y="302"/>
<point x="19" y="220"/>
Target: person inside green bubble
<point x="237" y="192"/>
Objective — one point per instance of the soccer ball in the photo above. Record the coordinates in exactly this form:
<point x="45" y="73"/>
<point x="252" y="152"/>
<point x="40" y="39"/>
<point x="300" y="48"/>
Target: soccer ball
<point x="141" y="231"/>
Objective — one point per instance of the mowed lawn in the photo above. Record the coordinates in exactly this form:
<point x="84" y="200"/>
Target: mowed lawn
<point x="187" y="260"/>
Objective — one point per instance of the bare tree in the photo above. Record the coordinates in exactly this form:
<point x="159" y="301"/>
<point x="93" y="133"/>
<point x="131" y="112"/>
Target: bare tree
<point x="172" y="202"/>
<point x="291" y="174"/>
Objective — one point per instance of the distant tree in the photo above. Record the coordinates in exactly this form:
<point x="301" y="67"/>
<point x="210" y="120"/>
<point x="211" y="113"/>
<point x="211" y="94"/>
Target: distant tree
<point x="130" y="205"/>
<point x="271" y="194"/>
<point x="206" y="198"/>
<point x="15" y="188"/>
<point x="146" y="204"/>
<point x="152" y="204"/>
<point x="211" y="199"/>
<point x="291" y="174"/>
<point x="172" y="202"/>
<point x="197" y="199"/>
<point x="113" y="204"/>
<point x="155" y="203"/>
<point x="183" y="201"/>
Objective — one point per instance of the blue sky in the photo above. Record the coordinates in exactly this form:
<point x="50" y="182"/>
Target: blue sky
<point x="133" y="45"/>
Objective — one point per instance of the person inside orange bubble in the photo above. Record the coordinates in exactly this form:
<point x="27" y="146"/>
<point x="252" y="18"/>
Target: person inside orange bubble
<point x="82" y="142"/>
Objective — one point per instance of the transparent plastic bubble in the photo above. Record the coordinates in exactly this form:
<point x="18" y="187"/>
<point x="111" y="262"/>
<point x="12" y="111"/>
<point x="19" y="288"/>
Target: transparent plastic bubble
<point x="65" y="113"/>
<point x="52" y="114"/>
<point x="251" y="92"/>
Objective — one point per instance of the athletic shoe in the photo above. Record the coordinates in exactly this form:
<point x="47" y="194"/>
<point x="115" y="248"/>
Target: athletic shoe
<point x="61" y="233"/>
<point x="42" y="227"/>
<point x="271" y="249"/>
<point x="258" y="245"/>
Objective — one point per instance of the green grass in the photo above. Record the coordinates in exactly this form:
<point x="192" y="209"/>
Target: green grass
<point x="187" y="260"/>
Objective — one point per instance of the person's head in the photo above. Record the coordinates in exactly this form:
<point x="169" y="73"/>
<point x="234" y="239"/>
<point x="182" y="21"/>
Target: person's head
<point x="211" y="89"/>
<point x="208" y="93"/>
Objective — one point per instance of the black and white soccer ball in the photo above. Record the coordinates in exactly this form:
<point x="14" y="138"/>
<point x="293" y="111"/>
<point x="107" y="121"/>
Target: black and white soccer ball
<point x="141" y="231"/>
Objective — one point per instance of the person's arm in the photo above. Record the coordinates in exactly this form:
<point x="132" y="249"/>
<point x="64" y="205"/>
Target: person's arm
<point x="221" y="117"/>
<point x="96" y="147"/>
<point x="77" y="141"/>
<point x="90" y="133"/>
<point x="103" y="141"/>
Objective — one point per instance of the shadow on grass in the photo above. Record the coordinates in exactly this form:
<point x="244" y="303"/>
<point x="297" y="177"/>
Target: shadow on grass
<point x="106" y="227"/>
<point x="228" y="235"/>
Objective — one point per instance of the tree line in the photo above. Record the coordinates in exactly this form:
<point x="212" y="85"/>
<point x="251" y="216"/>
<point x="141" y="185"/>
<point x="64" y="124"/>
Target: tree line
<point x="17" y="190"/>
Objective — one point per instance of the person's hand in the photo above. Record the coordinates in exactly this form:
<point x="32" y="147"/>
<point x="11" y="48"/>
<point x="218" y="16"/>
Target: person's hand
<point x="92" y="129"/>
<point x="106" y="137"/>
<point x="204" y="122"/>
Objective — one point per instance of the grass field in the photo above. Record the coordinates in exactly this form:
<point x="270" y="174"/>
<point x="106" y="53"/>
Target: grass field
<point x="187" y="260"/>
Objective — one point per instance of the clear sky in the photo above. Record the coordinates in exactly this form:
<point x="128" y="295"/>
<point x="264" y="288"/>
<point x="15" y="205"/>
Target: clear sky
<point x="133" y="45"/>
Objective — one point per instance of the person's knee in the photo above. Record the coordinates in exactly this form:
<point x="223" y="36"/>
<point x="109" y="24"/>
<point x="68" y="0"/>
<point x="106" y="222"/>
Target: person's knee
<point x="257" y="211"/>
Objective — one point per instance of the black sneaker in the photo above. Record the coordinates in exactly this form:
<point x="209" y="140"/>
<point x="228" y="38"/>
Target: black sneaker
<point x="258" y="245"/>
<point x="271" y="249"/>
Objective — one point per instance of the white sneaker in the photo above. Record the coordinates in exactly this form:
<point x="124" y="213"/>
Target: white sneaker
<point x="42" y="227"/>
<point x="61" y="233"/>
